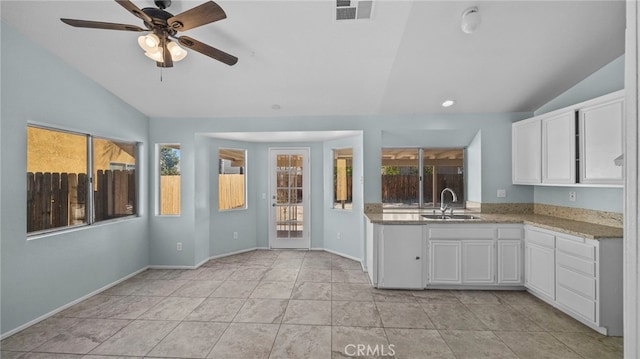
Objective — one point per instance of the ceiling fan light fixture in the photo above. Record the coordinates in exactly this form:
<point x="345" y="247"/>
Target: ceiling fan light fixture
<point x="470" y="20"/>
<point x="149" y="42"/>
<point x="177" y="52"/>
<point x="155" y="55"/>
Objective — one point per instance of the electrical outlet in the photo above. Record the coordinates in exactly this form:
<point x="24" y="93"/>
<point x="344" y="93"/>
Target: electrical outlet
<point x="179" y="246"/>
<point x="339" y="235"/>
<point x="572" y="196"/>
<point x="502" y="193"/>
<point x="235" y="235"/>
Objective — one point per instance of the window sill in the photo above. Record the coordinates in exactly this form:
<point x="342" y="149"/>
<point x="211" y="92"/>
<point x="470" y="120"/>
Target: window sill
<point x="80" y="227"/>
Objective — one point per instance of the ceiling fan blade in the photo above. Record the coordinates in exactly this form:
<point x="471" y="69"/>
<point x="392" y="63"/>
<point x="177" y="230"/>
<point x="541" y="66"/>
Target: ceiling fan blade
<point x="135" y="10"/>
<point x="102" y="25"/>
<point x="208" y="50"/>
<point x="167" y="61"/>
<point x="198" y="16"/>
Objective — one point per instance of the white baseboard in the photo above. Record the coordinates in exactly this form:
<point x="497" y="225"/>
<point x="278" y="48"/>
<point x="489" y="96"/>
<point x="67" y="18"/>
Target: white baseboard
<point x="343" y="255"/>
<point x="60" y="309"/>
<point x="236" y="252"/>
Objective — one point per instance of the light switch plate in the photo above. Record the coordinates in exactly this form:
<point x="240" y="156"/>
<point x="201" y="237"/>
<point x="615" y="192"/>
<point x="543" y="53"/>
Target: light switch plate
<point x="572" y="196"/>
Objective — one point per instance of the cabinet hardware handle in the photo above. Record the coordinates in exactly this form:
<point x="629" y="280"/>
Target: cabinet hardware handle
<point x="417" y="258"/>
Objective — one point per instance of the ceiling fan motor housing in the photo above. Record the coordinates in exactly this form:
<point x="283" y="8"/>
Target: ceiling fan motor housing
<point x="162" y="4"/>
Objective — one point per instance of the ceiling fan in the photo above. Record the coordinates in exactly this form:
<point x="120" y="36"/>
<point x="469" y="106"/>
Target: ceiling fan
<point x="164" y="26"/>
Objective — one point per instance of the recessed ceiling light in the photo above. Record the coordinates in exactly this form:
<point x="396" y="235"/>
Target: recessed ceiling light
<point x="448" y="103"/>
<point x="276" y="106"/>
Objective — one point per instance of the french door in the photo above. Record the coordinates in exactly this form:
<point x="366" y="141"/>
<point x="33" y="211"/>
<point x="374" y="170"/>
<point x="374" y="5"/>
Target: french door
<point x="289" y="215"/>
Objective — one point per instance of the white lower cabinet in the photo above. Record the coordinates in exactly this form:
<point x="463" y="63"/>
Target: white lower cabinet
<point x="445" y="262"/>
<point x="478" y="262"/>
<point x="400" y="257"/>
<point x="470" y="255"/>
<point x="510" y="261"/>
<point x="580" y="276"/>
<point x="540" y="276"/>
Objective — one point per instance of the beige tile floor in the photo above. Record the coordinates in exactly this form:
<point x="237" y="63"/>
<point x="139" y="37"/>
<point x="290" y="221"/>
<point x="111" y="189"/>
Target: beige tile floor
<point x="297" y="304"/>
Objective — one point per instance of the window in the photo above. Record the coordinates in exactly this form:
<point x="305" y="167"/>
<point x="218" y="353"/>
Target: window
<point x="232" y="183"/>
<point x="169" y="173"/>
<point x="56" y="179"/>
<point x="416" y="177"/>
<point x="342" y="178"/>
<point x="65" y="189"/>
<point x="114" y="186"/>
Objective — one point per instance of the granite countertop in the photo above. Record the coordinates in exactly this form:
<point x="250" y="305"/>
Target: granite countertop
<point x="576" y="228"/>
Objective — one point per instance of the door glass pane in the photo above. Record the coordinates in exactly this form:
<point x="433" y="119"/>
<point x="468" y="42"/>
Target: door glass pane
<point x="289" y="215"/>
<point x="283" y="196"/>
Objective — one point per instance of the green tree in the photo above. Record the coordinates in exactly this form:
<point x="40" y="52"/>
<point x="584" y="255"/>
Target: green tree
<point x="169" y="161"/>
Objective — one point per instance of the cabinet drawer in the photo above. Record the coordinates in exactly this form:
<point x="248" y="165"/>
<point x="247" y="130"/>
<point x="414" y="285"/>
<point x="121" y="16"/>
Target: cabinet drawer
<point x="575" y="263"/>
<point x="577" y="282"/>
<point x="577" y="303"/>
<point x="509" y="233"/>
<point x="543" y="239"/>
<point x="576" y="248"/>
<point x="461" y="233"/>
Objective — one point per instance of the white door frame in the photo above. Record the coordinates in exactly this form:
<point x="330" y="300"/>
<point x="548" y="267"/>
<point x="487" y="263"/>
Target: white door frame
<point x="631" y="192"/>
<point x="305" y="241"/>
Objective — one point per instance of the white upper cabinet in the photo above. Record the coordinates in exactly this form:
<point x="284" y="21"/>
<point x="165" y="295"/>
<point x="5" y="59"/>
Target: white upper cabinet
<point x="559" y="149"/>
<point x="601" y="127"/>
<point x="526" y="151"/>
<point x="544" y="147"/>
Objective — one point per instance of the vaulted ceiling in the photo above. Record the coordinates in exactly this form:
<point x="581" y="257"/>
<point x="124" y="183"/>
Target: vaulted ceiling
<point x="296" y="59"/>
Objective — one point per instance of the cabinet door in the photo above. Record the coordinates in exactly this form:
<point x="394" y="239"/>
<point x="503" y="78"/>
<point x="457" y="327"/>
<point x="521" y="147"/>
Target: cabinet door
<point x="478" y="262"/>
<point x="601" y="142"/>
<point x="444" y="262"/>
<point x="401" y="257"/>
<point x="510" y="262"/>
<point x="540" y="270"/>
<point x="559" y="149"/>
<point x="526" y="152"/>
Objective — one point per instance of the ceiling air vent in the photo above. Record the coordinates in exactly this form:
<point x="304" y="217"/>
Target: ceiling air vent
<point x="352" y="10"/>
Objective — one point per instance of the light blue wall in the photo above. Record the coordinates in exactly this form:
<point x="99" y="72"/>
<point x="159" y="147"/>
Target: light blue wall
<point x="40" y="275"/>
<point x="349" y="223"/>
<point x="243" y="221"/>
<point x="609" y="78"/>
<point x="473" y="168"/>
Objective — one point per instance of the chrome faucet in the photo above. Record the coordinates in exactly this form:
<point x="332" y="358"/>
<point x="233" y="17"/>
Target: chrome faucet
<point x="444" y="207"/>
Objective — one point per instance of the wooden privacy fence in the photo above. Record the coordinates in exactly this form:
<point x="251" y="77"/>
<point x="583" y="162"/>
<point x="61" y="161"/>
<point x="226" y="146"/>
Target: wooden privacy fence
<point x="55" y="200"/>
<point x="59" y="199"/>
<point x="230" y="191"/>
<point x="170" y="194"/>
<point x="404" y="188"/>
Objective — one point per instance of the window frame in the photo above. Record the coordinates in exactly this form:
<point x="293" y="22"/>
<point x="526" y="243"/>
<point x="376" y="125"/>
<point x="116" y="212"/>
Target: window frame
<point x="158" y="180"/>
<point x="334" y="203"/>
<point x="420" y="173"/>
<point x="90" y="220"/>
<point x="245" y="180"/>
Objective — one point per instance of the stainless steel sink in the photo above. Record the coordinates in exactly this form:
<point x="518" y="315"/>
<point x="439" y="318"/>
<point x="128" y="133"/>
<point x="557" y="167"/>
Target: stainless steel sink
<point x="463" y="216"/>
<point x="436" y="217"/>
